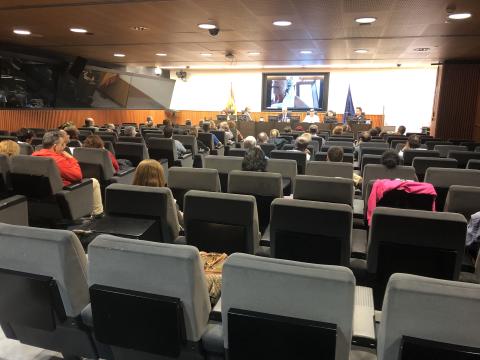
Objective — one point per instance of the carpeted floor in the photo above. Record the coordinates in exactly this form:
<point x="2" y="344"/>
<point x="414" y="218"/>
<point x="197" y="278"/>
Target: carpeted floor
<point x="13" y="350"/>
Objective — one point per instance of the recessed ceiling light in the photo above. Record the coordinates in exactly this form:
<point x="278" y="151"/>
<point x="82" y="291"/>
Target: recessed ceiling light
<point x="161" y="54"/>
<point x="206" y="54"/>
<point x="459" y="16"/>
<point x="421" y="49"/>
<point x="119" y="55"/>
<point x="282" y="23"/>
<point x="22" y="32"/>
<point x="361" y="51"/>
<point x="254" y="53"/>
<point x="366" y="20"/>
<point x="306" y="52"/>
<point x="207" y="26"/>
<point x="140" y="28"/>
<point x="78" y="30"/>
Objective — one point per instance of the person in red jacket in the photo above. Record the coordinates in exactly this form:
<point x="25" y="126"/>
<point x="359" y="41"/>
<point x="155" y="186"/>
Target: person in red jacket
<point x="69" y="168"/>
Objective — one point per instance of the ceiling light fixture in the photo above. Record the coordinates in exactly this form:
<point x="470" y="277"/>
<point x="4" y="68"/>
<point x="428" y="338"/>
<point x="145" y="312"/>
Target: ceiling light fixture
<point x="460" y="16"/>
<point x="119" y="55"/>
<point x="361" y="51"/>
<point x="254" y="53"/>
<point x="206" y="54"/>
<point x="421" y="49"/>
<point x="306" y="52"/>
<point x="22" y="32"/>
<point x="207" y="26"/>
<point x="365" y="20"/>
<point x="78" y="30"/>
<point x="140" y="28"/>
<point x="161" y="54"/>
<point x="282" y="23"/>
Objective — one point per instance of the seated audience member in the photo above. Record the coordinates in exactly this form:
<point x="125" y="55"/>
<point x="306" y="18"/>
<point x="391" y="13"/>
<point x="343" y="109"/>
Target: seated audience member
<point x="473" y="235"/>
<point x="337" y="130"/>
<point x="413" y="142"/>
<point x="25" y="136"/>
<point x="330" y="117"/>
<point x="346" y="128"/>
<point x="307" y="137"/>
<point x="379" y="130"/>
<point x="301" y="144"/>
<point x="70" y="172"/>
<point x="188" y="122"/>
<point x="149" y="122"/>
<point x="287" y="130"/>
<point x="311" y="117"/>
<point x="249" y="143"/>
<point x="110" y="127"/>
<point x="254" y="160"/>
<point x="73" y="135"/>
<point x="168" y="133"/>
<point x="9" y="148"/>
<point x="313" y="129"/>
<point x="129" y="131"/>
<point x="401" y="130"/>
<point x="206" y="126"/>
<point x="262" y="138"/>
<point x="276" y="140"/>
<point x="96" y="142"/>
<point x="167" y="122"/>
<point x="228" y="134"/>
<point x="390" y="159"/>
<point x="89" y="123"/>
<point x="201" y="146"/>
<point x="363" y="138"/>
<point x="236" y="133"/>
<point x="335" y="154"/>
<point x="373" y="132"/>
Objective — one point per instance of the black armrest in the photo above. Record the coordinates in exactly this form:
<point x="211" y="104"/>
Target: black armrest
<point x="78" y="185"/>
<point x="125" y="171"/>
<point x="11" y="201"/>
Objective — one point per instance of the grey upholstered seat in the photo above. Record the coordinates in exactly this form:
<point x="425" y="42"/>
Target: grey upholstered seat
<point x="421" y="164"/>
<point x="288" y="169"/>
<point x="369" y="159"/>
<point x="432" y="143"/>
<point x="267" y="148"/>
<point x="168" y="273"/>
<point x="5" y="180"/>
<point x="298" y="156"/>
<point x="163" y="149"/>
<point x="464" y="200"/>
<point x="322" y="156"/>
<point x="230" y="224"/>
<point x="302" y="230"/>
<point x="183" y="179"/>
<point x="132" y="139"/>
<point x="414" y="241"/>
<point x="410" y="155"/>
<point x="25" y="149"/>
<point x="44" y="270"/>
<point x="223" y="164"/>
<point x="325" y="294"/>
<point x="14" y="210"/>
<point x="237" y="152"/>
<point x="474" y="164"/>
<point x="329" y="169"/>
<point x="135" y="152"/>
<point x="188" y="141"/>
<point x="370" y="150"/>
<point x="445" y="149"/>
<point x="463" y="157"/>
<point x="325" y="189"/>
<point x="442" y="179"/>
<point x="428" y="309"/>
<point x="39" y="180"/>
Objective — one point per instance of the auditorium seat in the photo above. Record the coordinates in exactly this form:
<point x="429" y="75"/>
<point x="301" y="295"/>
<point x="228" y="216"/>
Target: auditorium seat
<point x="395" y="143"/>
<point x="330" y="169"/>
<point x="8" y="137"/>
<point x="264" y="186"/>
<point x="288" y="169"/>
<point x="326" y="189"/>
<point x="230" y="224"/>
<point x="302" y="230"/>
<point x="220" y="134"/>
<point x="267" y="148"/>
<point x="429" y="318"/>
<point x="410" y="154"/>
<point x="45" y="272"/>
<point x="338" y="138"/>
<point x="432" y="143"/>
<point x="223" y="164"/>
<point x="25" y="149"/>
<point x="391" y="138"/>
<point x="5" y="177"/>
<point x="188" y="141"/>
<point x="471" y="145"/>
<point x="14" y="210"/>
<point x="165" y="149"/>
<point x="463" y="157"/>
<point x="141" y="212"/>
<point x="477" y="149"/>
<point x="131" y="151"/>
<point x="207" y="139"/>
<point x="369" y="159"/>
<point x="49" y="201"/>
<point x="421" y="164"/>
<point x="148" y="300"/>
<point x="183" y="179"/>
<point x="298" y="311"/>
<point x="346" y="145"/>
<point x="445" y="149"/>
<point x="442" y="179"/>
<point x="133" y="139"/>
<point x="473" y="164"/>
<point x="153" y="135"/>
<point x="236" y="152"/>
<point x="369" y="151"/>
<point x="412" y="241"/>
<point x="464" y="200"/>
<point x="299" y="157"/>
<point x="322" y="156"/>
<point x="108" y="136"/>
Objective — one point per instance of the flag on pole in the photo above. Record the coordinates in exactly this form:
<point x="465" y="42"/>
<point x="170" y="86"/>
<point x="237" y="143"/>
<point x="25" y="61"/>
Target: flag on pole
<point x="231" y="107"/>
<point x="349" y="109"/>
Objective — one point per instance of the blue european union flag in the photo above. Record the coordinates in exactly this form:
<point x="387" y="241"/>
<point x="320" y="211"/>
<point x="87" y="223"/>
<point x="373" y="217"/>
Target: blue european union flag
<point x="349" y="109"/>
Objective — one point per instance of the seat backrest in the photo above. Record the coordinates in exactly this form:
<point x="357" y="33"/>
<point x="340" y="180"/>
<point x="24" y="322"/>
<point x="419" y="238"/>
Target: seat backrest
<point x="445" y="149"/>
<point x="35" y="176"/>
<point x="162" y="149"/>
<point x="394" y="143"/>
<point x="108" y="136"/>
<point x="287" y="168"/>
<point x="25" y="149"/>
<point x="464" y="200"/>
<point x="5" y="181"/>
<point x="329" y="169"/>
<point x="144" y="201"/>
<point x="322" y="156"/>
<point x="411" y="154"/>
<point x="188" y="141"/>
<point x="267" y="148"/>
<point x="137" y="265"/>
<point x="131" y="151"/>
<point x="95" y="163"/>
<point x="374" y="172"/>
<point x="267" y="184"/>
<point x="134" y="139"/>
<point x="325" y="293"/>
<point x="299" y="157"/>
<point x="473" y="164"/>
<point x="223" y="164"/>
<point x="366" y="145"/>
<point x="47" y="252"/>
<point x="206" y="139"/>
<point x="428" y="309"/>
<point x="326" y="189"/>
<point x="369" y="159"/>
<point x="237" y="152"/>
<point x="230" y="224"/>
<point x="463" y="157"/>
<point x="421" y="164"/>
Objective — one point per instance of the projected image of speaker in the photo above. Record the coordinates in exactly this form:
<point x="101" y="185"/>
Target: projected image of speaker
<point x="77" y="66"/>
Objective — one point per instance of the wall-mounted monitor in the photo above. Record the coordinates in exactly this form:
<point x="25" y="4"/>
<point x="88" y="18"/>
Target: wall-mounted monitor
<point x="295" y="91"/>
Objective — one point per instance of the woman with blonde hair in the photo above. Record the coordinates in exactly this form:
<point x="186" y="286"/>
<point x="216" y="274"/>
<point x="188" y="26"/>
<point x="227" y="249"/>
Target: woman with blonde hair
<point x="9" y="148"/>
